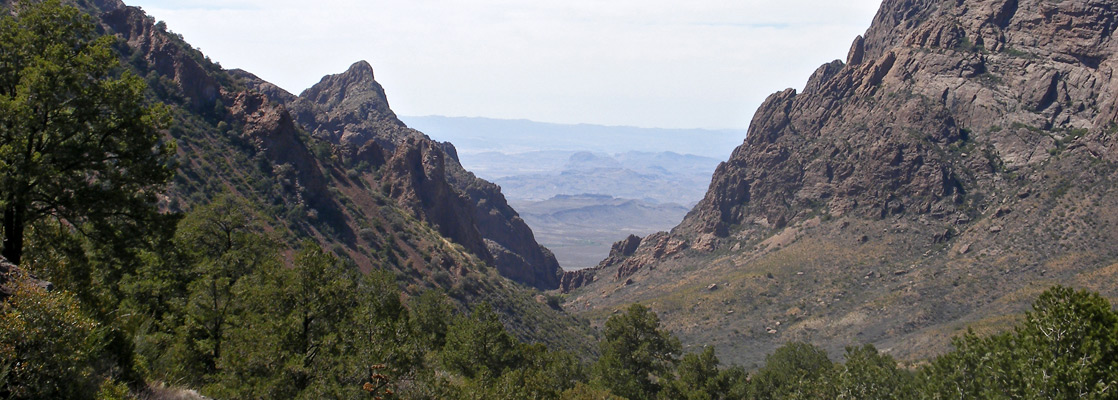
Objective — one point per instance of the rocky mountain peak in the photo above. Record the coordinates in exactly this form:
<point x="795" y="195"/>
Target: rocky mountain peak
<point x="350" y="110"/>
<point x="928" y="76"/>
<point x="963" y="147"/>
<point x="353" y="90"/>
<point x="361" y="68"/>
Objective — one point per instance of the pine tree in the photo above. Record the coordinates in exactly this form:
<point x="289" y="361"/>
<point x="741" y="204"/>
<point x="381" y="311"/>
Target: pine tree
<point x="636" y="354"/>
<point x="77" y="141"/>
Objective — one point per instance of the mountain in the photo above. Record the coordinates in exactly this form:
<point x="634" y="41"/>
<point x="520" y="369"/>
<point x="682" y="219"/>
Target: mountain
<point x="664" y="177"/>
<point x="579" y="208"/>
<point x="961" y="160"/>
<point x="568" y="161"/>
<point x="335" y="165"/>
<point x="520" y="136"/>
<point x="580" y="228"/>
<point x="350" y="111"/>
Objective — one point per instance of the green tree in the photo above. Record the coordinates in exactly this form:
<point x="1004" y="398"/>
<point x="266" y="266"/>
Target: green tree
<point x="867" y="374"/>
<point x="792" y="371"/>
<point x="430" y="312"/>
<point x="1074" y="335"/>
<point x="543" y="374"/>
<point x="286" y="339"/>
<point x="222" y="242"/>
<point x="320" y="294"/>
<point x="1066" y="349"/>
<point x="77" y="142"/>
<point x="49" y="348"/>
<point x="637" y="357"/>
<point x="478" y="346"/>
<point x="387" y="350"/>
<point x="701" y="379"/>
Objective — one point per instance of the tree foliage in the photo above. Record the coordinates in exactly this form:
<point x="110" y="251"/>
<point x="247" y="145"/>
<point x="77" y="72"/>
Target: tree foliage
<point x="789" y="372"/>
<point x="637" y="357"/>
<point x="222" y="243"/>
<point x="479" y="345"/>
<point x="868" y="374"/>
<point x="701" y="378"/>
<point x="77" y="141"/>
<point x="49" y="347"/>
<point x="1066" y="348"/>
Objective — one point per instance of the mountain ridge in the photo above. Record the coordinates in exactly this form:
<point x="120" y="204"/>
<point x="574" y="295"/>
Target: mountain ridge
<point x="521" y="135"/>
<point x="368" y="205"/>
<point x="957" y="160"/>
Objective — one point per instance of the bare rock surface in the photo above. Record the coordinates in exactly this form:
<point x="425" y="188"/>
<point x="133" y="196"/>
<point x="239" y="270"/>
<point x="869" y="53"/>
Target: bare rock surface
<point x="942" y="115"/>
<point x="351" y="111"/>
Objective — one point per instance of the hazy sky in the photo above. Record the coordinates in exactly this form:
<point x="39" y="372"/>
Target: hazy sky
<point x="648" y="63"/>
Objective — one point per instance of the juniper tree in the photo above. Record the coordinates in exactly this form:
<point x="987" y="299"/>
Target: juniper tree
<point x="78" y="141"/>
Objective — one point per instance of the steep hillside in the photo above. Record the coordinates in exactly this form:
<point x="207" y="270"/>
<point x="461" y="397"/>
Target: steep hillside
<point x="350" y="111"/>
<point x="382" y="197"/>
<point x="960" y="160"/>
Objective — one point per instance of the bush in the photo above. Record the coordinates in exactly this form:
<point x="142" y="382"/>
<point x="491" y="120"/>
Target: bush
<point x="49" y="348"/>
<point x="1067" y="348"/>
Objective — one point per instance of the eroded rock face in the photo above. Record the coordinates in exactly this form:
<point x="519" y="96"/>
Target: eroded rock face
<point x="516" y="253"/>
<point x="199" y="88"/>
<point x="931" y="106"/>
<point x="257" y="85"/>
<point x="351" y="111"/>
<point x="271" y="129"/>
<point x="416" y="174"/>
<point x="947" y="120"/>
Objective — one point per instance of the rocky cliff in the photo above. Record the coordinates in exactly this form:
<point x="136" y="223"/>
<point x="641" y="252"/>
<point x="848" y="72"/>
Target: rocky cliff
<point x="961" y="156"/>
<point x="327" y="160"/>
<point x="336" y="167"/>
<point x="350" y="111"/>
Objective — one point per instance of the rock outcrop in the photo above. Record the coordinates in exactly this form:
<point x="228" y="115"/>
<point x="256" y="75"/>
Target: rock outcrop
<point x="351" y="111"/>
<point x="270" y="128"/>
<point x="9" y="273"/>
<point x="417" y="177"/>
<point x="943" y="114"/>
<point x="930" y="108"/>
<point x="153" y="44"/>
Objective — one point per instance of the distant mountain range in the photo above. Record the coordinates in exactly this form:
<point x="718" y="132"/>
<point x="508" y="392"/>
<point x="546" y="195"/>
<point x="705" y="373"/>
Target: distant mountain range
<point x="583" y="187"/>
<point x="579" y="229"/>
<point x="521" y="136"/>
<point x="653" y="177"/>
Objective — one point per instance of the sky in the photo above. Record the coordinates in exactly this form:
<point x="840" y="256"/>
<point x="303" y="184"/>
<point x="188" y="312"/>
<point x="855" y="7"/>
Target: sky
<point x="645" y="63"/>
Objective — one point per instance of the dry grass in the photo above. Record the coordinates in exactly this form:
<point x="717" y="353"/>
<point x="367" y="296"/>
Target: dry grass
<point x="161" y="391"/>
